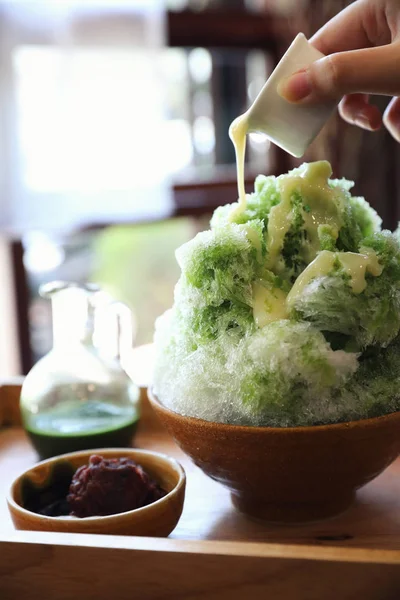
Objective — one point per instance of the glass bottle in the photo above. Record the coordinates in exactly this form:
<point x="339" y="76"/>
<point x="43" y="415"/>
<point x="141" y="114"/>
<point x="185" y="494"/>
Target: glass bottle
<point x="78" y="396"/>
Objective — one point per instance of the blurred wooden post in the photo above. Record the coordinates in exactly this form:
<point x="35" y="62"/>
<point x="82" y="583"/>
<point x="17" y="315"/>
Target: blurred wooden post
<point x="20" y="283"/>
<point x="10" y="391"/>
<point x="9" y="356"/>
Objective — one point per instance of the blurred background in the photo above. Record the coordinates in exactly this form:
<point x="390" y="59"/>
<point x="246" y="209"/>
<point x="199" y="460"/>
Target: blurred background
<point x="114" y="145"/>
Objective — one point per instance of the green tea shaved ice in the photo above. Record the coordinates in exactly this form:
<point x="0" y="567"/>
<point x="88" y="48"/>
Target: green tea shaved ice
<point x="287" y="313"/>
<point x="371" y="317"/>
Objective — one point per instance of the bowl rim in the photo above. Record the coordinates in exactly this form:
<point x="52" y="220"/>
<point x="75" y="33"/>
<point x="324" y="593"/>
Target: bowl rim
<point x="177" y="467"/>
<point x="369" y="422"/>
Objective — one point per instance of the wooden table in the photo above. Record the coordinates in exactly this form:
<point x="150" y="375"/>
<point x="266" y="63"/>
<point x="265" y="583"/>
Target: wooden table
<point x="215" y="552"/>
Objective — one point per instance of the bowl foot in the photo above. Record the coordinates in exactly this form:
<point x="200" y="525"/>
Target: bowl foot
<point x="293" y="512"/>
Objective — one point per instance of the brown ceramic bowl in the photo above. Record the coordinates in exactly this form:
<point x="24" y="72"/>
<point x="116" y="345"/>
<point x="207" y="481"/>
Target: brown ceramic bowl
<point x="288" y="474"/>
<point x="156" y="519"/>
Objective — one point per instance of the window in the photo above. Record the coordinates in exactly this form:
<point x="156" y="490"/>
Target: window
<point x="101" y="119"/>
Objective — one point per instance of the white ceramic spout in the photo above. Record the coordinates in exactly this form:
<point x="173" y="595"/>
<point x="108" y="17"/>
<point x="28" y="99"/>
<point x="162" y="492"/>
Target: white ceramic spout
<point x="290" y="126"/>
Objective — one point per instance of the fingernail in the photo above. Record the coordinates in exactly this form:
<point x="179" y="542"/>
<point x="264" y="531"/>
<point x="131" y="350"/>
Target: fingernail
<point x="296" y="87"/>
<point x="392" y="124"/>
<point x="362" y="121"/>
<point x="395" y="130"/>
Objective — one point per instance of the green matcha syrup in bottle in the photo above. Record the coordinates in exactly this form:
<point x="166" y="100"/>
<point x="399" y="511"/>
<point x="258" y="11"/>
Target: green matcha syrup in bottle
<point x="79" y="396"/>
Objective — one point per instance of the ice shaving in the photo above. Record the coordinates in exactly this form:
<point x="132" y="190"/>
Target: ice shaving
<point x="287" y="311"/>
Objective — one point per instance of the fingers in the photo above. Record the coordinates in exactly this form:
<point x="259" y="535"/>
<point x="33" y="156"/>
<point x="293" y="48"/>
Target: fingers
<point x="346" y="31"/>
<point x="391" y="118"/>
<point x="356" y="110"/>
<point x="371" y="70"/>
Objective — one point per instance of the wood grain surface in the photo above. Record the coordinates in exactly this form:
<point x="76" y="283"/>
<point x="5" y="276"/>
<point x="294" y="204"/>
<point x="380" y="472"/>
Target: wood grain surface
<point x="215" y="552"/>
<point x="99" y="573"/>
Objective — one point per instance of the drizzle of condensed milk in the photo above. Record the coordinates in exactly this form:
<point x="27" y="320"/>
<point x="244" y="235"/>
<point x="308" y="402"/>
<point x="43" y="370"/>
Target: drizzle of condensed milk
<point x="353" y="264"/>
<point x="268" y="305"/>
<point x="237" y="132"/>
<point x="323" y="209"/>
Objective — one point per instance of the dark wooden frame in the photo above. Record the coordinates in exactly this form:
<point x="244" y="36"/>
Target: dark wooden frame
<point x="21" y="294"/>
<point x="224" y="28"/>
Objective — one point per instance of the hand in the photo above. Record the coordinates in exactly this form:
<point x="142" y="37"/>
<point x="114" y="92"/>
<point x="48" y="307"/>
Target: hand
<point x="362" y="44"/>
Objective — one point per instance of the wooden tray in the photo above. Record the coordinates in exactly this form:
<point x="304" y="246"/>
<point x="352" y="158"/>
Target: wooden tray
<point x="214" y="552"/>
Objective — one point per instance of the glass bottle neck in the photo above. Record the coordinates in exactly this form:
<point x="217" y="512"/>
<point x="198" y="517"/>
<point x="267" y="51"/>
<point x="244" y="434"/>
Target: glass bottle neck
<point x="73" y="321"/>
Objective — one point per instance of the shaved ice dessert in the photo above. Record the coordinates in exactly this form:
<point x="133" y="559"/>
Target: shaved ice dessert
<point x="287" y="311"/>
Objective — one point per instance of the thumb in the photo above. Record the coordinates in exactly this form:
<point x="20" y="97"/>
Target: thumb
<point x="371" y="70"/>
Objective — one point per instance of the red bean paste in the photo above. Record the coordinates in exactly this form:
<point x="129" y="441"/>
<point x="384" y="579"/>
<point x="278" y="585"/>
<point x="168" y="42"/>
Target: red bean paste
<point x="110" y="486"/>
